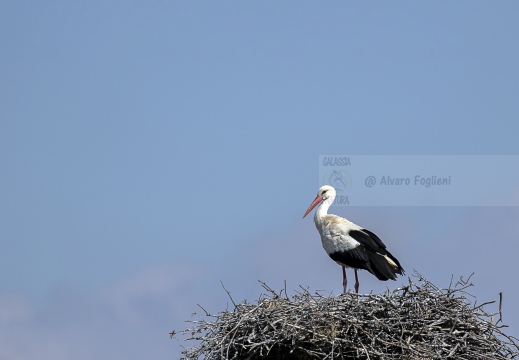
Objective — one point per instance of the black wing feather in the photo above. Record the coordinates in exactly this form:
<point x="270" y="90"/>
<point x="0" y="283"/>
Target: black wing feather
<point x="376" y="264"/>
<point x="369" y="240"/>
<point x="356" y="258"/>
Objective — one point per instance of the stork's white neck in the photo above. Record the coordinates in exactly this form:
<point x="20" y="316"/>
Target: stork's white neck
<point x="322" y="210"/>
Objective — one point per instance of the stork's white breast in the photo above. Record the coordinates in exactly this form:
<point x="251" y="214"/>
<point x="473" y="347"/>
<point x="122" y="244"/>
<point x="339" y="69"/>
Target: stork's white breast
<point x="334" y="234"/>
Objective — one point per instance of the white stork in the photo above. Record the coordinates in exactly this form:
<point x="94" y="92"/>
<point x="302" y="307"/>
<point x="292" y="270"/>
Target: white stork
<point x="350" y="245"/>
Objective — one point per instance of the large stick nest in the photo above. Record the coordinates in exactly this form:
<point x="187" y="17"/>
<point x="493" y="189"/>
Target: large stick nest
<point x="417" y="321"/>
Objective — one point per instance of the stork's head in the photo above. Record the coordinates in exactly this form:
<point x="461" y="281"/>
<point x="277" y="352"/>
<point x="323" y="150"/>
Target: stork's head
<point x="326" y="193"/>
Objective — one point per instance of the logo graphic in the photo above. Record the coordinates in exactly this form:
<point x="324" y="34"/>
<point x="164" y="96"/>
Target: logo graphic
<point x="339" y="179"/>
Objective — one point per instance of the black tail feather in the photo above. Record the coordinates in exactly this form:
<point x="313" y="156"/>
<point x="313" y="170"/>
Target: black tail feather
<point x="380" y="267"/>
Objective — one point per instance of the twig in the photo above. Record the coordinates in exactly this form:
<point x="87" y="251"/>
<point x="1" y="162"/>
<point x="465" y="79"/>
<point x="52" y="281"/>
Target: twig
<point x="229" y="294"/>
<point x="500" y="304"/>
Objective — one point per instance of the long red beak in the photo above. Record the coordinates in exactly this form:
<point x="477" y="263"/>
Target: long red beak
<point x="316" y="202"/>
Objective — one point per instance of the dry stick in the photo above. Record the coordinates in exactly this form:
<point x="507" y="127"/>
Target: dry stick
<point x="229" y="294"/>
<point x="500" y="303"/>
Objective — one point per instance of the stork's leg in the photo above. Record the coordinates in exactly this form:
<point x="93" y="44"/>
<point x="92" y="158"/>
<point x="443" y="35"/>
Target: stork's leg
<point x="344" y="281"/>
<point x="356" y="282"/>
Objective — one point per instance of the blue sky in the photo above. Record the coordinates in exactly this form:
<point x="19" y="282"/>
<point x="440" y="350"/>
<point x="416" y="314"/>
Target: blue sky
<point x="151" y="150"/>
